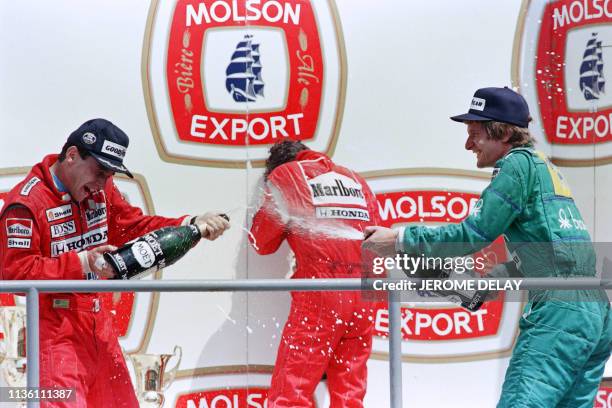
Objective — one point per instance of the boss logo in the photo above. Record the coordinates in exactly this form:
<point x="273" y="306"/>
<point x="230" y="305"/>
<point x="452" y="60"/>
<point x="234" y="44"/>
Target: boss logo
<point x="63" y="229"/>
<point x="238" y="74"/>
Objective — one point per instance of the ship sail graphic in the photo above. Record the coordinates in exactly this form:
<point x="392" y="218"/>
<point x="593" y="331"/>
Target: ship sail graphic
<point x="243" y="74"/>
<point x="592" y="81"/>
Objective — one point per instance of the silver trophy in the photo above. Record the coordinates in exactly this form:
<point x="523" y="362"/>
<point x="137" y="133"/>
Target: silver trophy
<point x="153" y="377"/>
<point x="13" y="346"/>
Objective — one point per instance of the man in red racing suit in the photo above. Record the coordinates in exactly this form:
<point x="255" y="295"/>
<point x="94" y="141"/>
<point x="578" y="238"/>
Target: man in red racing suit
<point x="321" y="210"/>
<point x="54" y="225"/>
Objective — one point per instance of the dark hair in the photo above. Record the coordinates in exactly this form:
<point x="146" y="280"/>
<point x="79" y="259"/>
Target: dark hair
<point x="518" y="136"/>
<point x="281" y="153"/>
<point x="82" y="152"/>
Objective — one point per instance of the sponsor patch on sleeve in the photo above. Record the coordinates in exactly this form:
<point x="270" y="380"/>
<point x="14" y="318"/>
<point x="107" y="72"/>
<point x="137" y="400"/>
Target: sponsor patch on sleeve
<point x="23" y="243"/>
<point x="27" y="187"/>
<point x="19" y="227"/>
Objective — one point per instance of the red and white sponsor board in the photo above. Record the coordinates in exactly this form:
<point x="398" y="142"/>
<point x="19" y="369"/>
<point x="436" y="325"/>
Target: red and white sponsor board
<point x="254" y="397"/>
<point x="210" y="390"/>
<point x="440" y="330"/>
<point x="603" y="399"/>
<point x="561" y="60"/>
<point x="226" y="75"/>
<point x="134" y="313"/>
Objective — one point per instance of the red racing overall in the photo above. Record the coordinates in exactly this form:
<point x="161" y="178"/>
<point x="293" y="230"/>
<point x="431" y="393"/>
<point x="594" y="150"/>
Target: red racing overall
<point x="321" y="210"/>
<point x="41" y="231"/>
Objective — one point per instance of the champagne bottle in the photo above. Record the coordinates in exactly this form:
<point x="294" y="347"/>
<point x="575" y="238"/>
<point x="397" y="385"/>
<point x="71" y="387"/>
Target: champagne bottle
<point x="152" y="251"/>
<point x="470" y="300"/>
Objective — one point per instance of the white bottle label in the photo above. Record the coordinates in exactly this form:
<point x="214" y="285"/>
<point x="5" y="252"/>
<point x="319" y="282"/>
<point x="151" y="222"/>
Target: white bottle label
<point x="144" y="254"/>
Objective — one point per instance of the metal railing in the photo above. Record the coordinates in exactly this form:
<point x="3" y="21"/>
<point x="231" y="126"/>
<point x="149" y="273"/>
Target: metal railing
<point x="34" y="288"/>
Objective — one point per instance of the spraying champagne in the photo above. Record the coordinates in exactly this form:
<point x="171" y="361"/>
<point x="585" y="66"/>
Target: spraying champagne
<point x="153" y="251"/>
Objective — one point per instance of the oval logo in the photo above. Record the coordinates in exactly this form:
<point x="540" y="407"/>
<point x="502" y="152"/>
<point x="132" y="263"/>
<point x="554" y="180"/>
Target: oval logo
<point x="143" y="253"/>
<point x="420" y="196"/>
<point x="562" y="60"/>
<point x="226" y="79"/>
<point x="89" y="138"/>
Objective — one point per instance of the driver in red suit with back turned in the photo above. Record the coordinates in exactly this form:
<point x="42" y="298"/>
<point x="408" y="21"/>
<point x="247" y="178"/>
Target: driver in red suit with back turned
<point x="321" y="209"/>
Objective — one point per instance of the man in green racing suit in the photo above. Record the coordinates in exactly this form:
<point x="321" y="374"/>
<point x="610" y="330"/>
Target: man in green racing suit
<point x="565" y="335"/>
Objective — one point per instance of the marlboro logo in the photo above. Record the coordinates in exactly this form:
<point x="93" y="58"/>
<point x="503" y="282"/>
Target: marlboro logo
<point x="95" y="216"/>
<point x="333" y="188"/>
<point x="18" y="227"/>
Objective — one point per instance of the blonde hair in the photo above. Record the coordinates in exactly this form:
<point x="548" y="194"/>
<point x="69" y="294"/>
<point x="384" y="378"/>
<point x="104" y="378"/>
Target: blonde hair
<point x="518" y="136"/>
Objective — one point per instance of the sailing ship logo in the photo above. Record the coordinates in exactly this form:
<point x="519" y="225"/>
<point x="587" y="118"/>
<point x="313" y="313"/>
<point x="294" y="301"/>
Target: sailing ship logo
<point x="244" y="81"/>
<point x="221" y="88"/>
<point x="568" y="64"/>
<point x="592" y="81"/>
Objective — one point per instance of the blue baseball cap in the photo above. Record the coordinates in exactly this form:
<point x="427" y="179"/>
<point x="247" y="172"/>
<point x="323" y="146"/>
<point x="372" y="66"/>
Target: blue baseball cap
<point x="105" y="142"/>
<point x="498" y="104"/>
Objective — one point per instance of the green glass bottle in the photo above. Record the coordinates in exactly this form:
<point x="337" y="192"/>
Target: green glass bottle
<point x="152" y="251"/>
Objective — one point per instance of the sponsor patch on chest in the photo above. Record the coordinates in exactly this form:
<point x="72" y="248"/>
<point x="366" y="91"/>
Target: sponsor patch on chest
<point x="58" y="213"/>
<point x="80" y="242"/>
<point x="95" y="215"/>
<point x="63" y="229"/>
